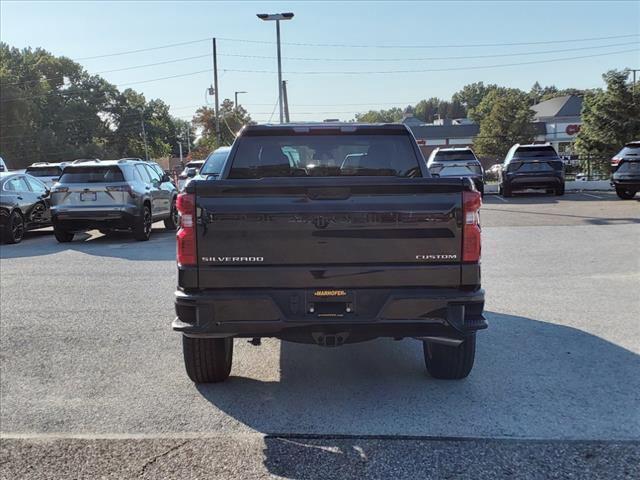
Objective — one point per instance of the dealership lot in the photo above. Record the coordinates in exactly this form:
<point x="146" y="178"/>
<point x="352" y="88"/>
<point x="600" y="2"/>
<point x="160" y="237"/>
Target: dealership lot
<point x="87" y="351"/>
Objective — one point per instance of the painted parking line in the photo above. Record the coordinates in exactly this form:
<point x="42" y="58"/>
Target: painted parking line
<point x="591" y="195"/>
<point x="500" y="197"/>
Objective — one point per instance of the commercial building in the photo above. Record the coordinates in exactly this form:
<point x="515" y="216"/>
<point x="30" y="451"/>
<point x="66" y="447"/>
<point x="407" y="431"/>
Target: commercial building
<point x="556" y="121"/>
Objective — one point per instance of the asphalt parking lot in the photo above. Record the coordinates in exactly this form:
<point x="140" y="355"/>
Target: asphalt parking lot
<point x="92" y="376"/>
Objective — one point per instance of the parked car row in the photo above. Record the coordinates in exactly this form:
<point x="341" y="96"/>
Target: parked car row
<point x="535" y="166"/>
<point x="128" y="194"/>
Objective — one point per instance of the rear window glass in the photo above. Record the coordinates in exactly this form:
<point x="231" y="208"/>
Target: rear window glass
<point x="325" y="156"/>
<point x="214" y="163"/>
<point x="535" y="152"/>
<point x="196" y="164"/>
<point x="535" y="167"/>
<point x="92" y="175"/>
<point x="44" y="171"/>
<point x="630" y="151"/>
<point x="446" y="156"/>
<point x="460" y="171"/>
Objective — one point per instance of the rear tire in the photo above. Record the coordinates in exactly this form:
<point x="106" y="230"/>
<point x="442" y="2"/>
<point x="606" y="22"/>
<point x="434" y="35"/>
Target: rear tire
<point x="142" y="227"/>
<point x="559" y="191"/>
<point x="447" y="362"/>
<point x="15" y="228"/>
<point x="62" y="236"/>
<point x="171" y="223"/>
<point x="625" y="193"/>
<point x="506" y="191"/>
<point x="207" y="360"/>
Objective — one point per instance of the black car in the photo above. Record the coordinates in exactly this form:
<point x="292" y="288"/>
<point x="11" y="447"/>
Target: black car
<point x="24" y="205"/>
<point x="625" y="170"/>
<point x="536" y="166"/>
<point x="456" y="162"/>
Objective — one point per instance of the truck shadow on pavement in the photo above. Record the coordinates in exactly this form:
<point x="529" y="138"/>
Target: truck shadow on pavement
<point x="161" y="245"/>
<point x="532" y="379"/>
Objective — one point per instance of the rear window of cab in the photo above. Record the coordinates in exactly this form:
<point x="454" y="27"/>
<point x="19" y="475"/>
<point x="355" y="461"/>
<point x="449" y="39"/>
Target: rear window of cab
<point x="325" y="155"/>
<point x="93" y="174"/>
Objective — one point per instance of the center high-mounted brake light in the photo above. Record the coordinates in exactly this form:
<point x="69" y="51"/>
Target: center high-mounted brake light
<point x="186" y="236"/>
<point x="471" y="244"/>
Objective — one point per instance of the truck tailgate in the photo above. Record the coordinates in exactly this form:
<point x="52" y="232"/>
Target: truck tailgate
<point x="341" y="232"/>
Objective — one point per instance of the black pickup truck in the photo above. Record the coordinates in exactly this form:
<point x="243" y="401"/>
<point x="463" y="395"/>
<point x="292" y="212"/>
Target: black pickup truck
<point x="328" y="234"/>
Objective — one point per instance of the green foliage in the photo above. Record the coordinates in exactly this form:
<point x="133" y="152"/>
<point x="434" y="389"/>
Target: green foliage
<point x="471" y="95"/>
<point x="51" y="109"/>
<point x="380" y="116"/>
<point x="610" y="117"/>
<point x="232" y="120"/>
<point x="505" y="118"/>
<point x="429" y="110"/>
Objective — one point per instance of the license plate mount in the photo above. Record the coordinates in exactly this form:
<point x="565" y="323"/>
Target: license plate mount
<point x="88" y="196"/>
<point x="330" y="303"/>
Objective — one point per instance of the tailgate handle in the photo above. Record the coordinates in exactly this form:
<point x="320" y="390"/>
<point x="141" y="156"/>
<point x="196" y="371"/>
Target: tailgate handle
<point x="329" y="193"/>
<point x="204" y="220"/>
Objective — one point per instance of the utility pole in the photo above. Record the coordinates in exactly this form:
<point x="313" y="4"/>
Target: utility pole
<point x="144" y="137"/>
<point x="285" y="99"/>
<point x="188" y="139"/>
<point x="235" y="94"/>
<point x="180" y="147"/>
<point x="633" y="86"/>
<point x="217" y="92"/>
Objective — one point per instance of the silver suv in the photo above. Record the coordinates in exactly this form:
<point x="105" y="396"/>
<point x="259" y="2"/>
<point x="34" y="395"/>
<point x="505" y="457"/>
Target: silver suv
<point x="47" y="173"/>
<point x="111" y="195"/>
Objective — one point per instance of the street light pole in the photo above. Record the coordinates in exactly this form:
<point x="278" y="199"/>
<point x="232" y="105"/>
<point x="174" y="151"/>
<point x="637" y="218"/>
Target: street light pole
<point x="279" y="73"/>
<point x="236" y="98"/>
<point x="277" y="17"/>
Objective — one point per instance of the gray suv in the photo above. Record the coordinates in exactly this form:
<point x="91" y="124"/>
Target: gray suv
<point x="126" y="194"/>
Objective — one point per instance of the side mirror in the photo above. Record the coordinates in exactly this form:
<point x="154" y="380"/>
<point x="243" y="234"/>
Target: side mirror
<point x="165" y="178"/>
<point x="191" y="172"/>
<point x="47" y="192"/>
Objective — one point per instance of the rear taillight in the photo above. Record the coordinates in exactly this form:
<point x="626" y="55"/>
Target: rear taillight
<point x="471" y="245"/>
<point x="186" y="237"/>
<point x="615" y="161"/>
<point x="57" y="189"/>
<point x="121" y="188"/>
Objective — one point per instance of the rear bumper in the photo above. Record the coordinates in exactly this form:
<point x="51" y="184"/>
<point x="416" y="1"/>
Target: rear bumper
<point x="628" y="181"/>
<point x="525" y="181"/>
<point x="294" y="314"/>
<point x="83" y="219"/>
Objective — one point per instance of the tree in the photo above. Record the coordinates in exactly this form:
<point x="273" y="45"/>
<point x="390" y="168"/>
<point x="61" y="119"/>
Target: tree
<point x="232" y="119"/>
<point x="51" y="109"/>
<point x="505" y="118"/>
<point x="471" y="95"/>
<point x="610" y="117"/>
<point x="380" y="116"/>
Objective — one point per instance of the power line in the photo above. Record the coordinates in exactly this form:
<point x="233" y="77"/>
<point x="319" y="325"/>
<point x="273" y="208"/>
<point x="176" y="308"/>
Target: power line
<point x="418" y="59"/>
<point x="342" y="45"/>
<point x="472" y="45"/>
<point x="143" y="49"/>
<point x="448" y="69"/>
<point x="327" y="59"/>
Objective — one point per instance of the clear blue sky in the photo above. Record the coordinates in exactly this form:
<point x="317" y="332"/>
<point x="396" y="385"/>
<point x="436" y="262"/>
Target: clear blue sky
<point x="83" y="29"/>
